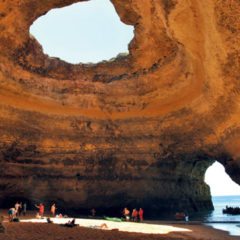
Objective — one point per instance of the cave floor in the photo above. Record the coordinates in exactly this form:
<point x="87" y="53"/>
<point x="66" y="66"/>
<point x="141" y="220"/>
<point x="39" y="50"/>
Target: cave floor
<point x="116" y="231"/>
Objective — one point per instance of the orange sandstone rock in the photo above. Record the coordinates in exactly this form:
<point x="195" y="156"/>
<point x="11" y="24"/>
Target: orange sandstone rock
<point x="140" y="130"/>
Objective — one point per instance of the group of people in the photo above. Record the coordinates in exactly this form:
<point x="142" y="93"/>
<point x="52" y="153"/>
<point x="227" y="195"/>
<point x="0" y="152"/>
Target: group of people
<point x="41" y="209"/>
<point x="21" y="208"/>
<point x="136" y="215"/>
<point x="17" y="210"/>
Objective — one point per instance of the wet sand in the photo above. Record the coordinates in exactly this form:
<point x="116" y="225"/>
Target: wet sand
<point x="45" y="231"/>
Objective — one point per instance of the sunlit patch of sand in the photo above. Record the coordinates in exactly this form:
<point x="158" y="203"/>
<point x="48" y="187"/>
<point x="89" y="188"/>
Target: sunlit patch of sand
<point x="121" y="226"/>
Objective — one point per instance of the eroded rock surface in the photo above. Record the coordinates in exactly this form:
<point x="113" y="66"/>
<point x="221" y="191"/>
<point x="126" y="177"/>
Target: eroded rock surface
<point x="137" y="131"/>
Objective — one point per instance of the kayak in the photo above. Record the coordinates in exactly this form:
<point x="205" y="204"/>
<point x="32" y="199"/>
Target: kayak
<point x="114" y="219"/>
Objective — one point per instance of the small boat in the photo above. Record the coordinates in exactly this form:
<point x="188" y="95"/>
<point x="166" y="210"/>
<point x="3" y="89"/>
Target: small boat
<point x="114" y="219"/>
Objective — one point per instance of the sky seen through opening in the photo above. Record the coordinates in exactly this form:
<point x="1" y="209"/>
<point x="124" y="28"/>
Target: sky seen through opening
<point x="83" y="32"/>
<point x="219" y="181"/>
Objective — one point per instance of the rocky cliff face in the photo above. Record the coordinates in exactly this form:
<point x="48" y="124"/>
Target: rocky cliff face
<point x="137" y="131"/>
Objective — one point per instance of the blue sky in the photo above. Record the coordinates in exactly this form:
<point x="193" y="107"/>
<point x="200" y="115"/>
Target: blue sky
<point x="91" y="32"/>
<point x="83" y="32"/>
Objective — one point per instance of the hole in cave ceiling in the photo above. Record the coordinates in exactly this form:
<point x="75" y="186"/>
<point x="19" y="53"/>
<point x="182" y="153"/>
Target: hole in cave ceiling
<point x="83" y="32"/>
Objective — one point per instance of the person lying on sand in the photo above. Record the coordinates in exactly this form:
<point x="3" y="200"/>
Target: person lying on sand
<point x="49" y="220"/>
<point x="102" y="226"/>
<point x="70" y="223"/>
<point x="38" y="216"/>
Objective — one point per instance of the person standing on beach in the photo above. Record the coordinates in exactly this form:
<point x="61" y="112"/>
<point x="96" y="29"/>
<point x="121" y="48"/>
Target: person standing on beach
<point x="24" y="209"/>
<point x="20" y="209"/>
<point x="11" y="214"/>
<point x="126" y="214"/>
<point x="53" y="210"/>
<point x="93" y="212"/>
<point x="140" y="212"/>
<point x="41" y="209"/>
<point x="134" y="215"/>
<point x="17" y="206"/>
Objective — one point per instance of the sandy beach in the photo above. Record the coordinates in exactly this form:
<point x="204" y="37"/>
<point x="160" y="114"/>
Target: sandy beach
<point x="28" y="230"/>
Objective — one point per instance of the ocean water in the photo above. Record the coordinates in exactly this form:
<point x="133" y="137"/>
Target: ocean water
<point x="219" y="203"/>
<point x="218" y="220"/>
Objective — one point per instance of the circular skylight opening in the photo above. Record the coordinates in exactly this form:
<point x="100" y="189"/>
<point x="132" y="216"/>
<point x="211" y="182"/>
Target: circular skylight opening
<point x="83" y="32"/>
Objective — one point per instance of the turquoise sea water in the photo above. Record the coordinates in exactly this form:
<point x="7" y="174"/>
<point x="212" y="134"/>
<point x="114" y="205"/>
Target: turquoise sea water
<point x="219" y="203"/>
<point x="230" y="223"/>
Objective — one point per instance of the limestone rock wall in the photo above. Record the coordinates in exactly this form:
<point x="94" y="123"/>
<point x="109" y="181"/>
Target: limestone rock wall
<point x="137" y="131"/>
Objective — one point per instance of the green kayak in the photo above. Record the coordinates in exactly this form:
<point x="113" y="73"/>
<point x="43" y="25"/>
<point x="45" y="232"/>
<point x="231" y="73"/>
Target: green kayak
<point x="114" y="219"/>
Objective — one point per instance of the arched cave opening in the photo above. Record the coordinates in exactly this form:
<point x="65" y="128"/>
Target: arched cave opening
<point x="219" y="181"/>
<point x="223" y="191"/>
<point x="85" y="32"/>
